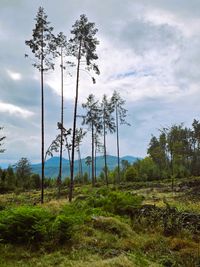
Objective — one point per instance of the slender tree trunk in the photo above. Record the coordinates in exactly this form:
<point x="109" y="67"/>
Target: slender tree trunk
<point x="42" y="122"/>
<point x="105" y="158"/>
<point x="61" y="130"/>
<point x="89" y="171"/>
<point x="93" y="179"/>
<point x="74" y="127"/>
<point x="69" y="157"/>
<point x="95" y="163"/>
<point x="118" y="160"/>
<point x="80" y="164"/>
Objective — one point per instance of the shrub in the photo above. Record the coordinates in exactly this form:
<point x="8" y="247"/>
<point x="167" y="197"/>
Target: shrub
<point x="34" y="225"/>
<point x="24" y="225"/>
<point x="114" y="202"/>
<point x="62" y="229"/>
<point x="131" y="174"/>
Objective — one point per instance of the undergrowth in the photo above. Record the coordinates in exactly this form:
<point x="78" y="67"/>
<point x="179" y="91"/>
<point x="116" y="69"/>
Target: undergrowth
<point x="97" y="229"/>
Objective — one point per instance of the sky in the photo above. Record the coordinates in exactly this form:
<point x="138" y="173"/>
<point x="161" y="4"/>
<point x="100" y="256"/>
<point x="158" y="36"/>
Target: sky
<point x="149" y="52"/>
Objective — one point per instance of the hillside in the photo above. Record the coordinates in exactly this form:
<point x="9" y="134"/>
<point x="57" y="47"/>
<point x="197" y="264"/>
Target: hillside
<point x="52" y="165"/>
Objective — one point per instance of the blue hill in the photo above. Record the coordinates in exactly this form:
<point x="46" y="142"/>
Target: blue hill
<point x="52" y="165"/>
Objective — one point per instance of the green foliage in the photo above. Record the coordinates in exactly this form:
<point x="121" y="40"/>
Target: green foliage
<point x="131" y="174"/>
<point x="114" y="201"/>
<point x="147" y="169"/>
<point x="62" y="228"/>
<point x="24" y="225"/>
<point x="23" y="173"/>
<point x="177" y="151"/>
<point x="34" y="225"/>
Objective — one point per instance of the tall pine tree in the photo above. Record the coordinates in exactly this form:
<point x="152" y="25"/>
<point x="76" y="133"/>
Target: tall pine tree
<point x="43" y="48"/>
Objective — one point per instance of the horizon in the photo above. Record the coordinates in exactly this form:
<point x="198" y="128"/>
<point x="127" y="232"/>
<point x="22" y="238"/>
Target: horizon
<point x="6" y="165"/>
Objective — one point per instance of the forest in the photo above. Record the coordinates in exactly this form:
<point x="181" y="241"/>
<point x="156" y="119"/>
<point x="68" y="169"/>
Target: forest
<point x="144" y="213"/>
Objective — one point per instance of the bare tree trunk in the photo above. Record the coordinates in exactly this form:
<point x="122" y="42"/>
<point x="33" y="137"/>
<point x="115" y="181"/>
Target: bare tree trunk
<point x="42" y="122"/>
<point x="93" y="179"/>
<point x="80" y="165"/>
<point x="61" y="130"/>
<point x="105" y="158"/>
<point x="74" y="127"/>
<point x="69" y="157"/>
<point x="95" y="163"/>
<point x="118" y="160"/>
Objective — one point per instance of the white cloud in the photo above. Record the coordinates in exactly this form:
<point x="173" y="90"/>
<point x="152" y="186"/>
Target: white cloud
<point x="15" y="110"/>
<point x="16" y="76"/>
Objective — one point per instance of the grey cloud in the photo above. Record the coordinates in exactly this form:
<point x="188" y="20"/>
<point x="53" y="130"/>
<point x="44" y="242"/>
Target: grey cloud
<point x="182" y="8"/>
<point x="143" y="36"/>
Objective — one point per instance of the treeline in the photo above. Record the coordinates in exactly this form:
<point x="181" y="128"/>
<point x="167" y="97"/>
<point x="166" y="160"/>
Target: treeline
<point x="19" y="177"/>
<point x="175" y="153"/>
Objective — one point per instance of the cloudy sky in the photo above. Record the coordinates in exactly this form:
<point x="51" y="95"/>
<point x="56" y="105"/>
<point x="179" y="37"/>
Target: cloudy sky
<point x="149" y="52"/>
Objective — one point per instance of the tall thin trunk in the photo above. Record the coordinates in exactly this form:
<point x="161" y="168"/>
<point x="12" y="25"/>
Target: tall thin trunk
<point x="95" y="163"/>
<point x="105" y="158"/>
<point x="69" y="157"/>
<point x="93" y="179"/>
<point x="42" y="121"/>
<point x="61" y="130"/>
<point x="80" y="164"/>
<point x="74" y="127"/>
<point x="89" y="171"/>
<point x="118" y="160"/>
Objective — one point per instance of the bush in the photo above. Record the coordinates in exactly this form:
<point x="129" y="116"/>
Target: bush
<point x="131" y="174"/>
<point x="25" y="225"/>
<point x="34" y="225"/>
<point x="114" y="202"/>
<point x="62" y="229"/>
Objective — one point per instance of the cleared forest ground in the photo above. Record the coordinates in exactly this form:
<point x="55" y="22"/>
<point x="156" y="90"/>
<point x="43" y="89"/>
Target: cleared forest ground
<point x="135" y="224"/>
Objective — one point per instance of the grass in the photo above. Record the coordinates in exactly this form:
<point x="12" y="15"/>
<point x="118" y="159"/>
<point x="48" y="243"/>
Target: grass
<point x="102" y="233"/>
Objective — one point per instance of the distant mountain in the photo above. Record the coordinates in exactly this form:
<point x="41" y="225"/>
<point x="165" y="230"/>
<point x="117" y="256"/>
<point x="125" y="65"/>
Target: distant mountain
<point x="130" y="159"/>
<point x="52" y="165"/>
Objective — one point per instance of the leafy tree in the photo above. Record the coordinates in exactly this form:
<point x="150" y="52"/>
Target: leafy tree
<point x="42" y="46"/>
<point x="124" y="166"/>
<point x="88" y="161"/>
<point x="10" y="179"/>
<point x="83" y="45"/>
<point x="23" y="172"/>
<point x="2" y="181"/>
<point x="108" y="125"/>
<point x="131" y="174"/>
<point x="1" y="139"/>
<point x="120" y="118"/>
<point x="85" y="177"/>
<point x="35" y="181"/>
<point x="147" y="169"/>
<point x="157" y="153"/>
<point x="92" y="119"/>
<point x="176" y="151"/>
<point x="195" y="148"/>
